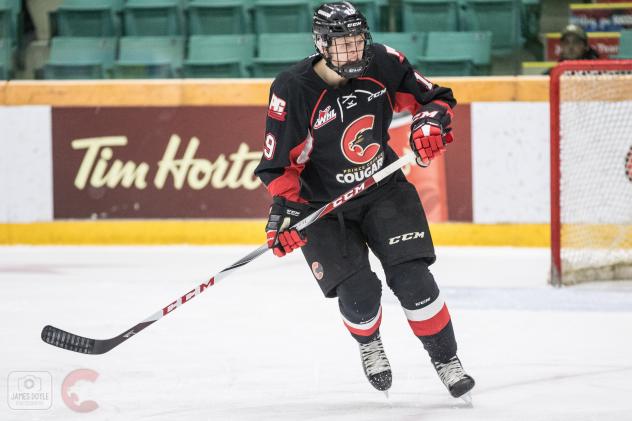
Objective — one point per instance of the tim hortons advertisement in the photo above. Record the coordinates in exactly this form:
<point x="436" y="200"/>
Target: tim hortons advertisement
<point x="198" y="162"/>
<point x="158" y="162"/>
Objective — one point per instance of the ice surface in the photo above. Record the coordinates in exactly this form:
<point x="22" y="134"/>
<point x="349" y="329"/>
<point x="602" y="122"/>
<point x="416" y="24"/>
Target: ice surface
<point x="263" y="344"/>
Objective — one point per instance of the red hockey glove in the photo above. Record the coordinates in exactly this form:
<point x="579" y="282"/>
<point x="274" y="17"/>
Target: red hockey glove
<point x="430" y="132"/>
<point x="284" y="214"/>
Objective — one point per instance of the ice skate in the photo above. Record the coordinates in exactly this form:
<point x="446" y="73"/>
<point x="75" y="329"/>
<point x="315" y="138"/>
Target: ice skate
<point x="376" y="365"/>
<point x="455" y="379"/>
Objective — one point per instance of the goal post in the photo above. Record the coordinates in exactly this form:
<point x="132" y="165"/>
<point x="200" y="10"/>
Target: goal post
<point x="591" y="171"/>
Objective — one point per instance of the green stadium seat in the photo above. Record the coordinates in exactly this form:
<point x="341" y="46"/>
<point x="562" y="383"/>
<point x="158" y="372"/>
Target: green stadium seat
<point x="282" y="16"/>
<point x="625" y="45"/>
<point x="501" y="17"/>
<point x="447" y="66"/>
<point x="88" y="18"/>
<point x="430" y="15"/>
<point x="530" y="18"/>
<point x="153" y="18"/>
<point x="219" y="56"/>
<point x="448" y="50"/>
<point x="8" y="21"/>
<point x="149" y="58"/>
<point x="6" y="59"/>
<point x="411" y="44"/>
<point x="214" y="17"/>
<point x="371" y="11"/>
<point x="279" y="51"/>
<point x="80" y="58"/>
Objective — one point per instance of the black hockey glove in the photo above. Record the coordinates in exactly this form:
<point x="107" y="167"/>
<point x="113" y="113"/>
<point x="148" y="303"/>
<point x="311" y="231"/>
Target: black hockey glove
<point x="283" y="214"/>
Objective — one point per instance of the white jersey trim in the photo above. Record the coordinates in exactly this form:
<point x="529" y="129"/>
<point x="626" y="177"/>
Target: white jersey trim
<point x="307" y="149"/>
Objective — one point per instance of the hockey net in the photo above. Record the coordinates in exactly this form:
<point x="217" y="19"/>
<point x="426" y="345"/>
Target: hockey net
<point x="591" y="171"/>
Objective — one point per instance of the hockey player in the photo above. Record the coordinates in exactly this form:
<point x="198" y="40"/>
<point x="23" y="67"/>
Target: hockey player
<point x="326" y="131"/>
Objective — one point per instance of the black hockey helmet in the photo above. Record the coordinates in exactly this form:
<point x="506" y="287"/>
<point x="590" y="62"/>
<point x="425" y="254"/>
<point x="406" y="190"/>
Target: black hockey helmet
<point x="341" y="19"/>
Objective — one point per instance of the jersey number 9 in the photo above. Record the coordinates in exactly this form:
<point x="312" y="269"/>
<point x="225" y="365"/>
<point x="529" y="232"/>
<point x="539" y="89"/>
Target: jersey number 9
<point x="269" y="145"/>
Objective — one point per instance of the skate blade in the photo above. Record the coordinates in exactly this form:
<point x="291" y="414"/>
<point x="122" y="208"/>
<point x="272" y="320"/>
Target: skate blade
<point x="467" y="398"/>
<point x="386" y="394"/>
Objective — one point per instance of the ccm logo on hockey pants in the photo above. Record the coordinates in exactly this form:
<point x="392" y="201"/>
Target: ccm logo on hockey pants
<point x="406" y="237"/>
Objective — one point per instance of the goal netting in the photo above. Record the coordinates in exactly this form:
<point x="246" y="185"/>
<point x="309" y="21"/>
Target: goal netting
<point x="591" y="171"/>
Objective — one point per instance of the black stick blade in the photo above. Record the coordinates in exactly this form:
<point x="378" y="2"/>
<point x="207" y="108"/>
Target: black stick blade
<point x="62" y="339"/>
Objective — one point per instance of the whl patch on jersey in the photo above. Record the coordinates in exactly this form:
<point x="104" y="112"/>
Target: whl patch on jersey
<point x="324" y="117"/>
<point x="276" y="110"/>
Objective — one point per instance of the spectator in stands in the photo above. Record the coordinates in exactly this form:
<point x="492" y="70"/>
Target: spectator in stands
<point x="574" y="45"/>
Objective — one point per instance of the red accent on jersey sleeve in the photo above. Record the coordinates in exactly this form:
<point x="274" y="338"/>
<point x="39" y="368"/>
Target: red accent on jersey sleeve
<point x="288" y="184"/>
<point x="433" y="325"/>
<point x="406" y="102"/>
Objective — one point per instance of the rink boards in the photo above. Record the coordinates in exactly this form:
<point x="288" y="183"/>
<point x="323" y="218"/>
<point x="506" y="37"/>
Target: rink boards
<point x="171" y="162"/>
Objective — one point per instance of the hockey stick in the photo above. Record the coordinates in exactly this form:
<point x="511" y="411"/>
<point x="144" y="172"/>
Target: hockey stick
<point x="62" y="339"/>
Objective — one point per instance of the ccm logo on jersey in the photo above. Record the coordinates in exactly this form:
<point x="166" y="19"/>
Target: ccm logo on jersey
<point x="276" y="110"/>
<point x="376" y="95"/>
<point x="406" y="237"/>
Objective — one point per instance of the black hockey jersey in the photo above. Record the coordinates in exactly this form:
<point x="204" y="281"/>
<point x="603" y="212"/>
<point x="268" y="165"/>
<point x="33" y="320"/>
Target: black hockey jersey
<point x="321" y="141"/>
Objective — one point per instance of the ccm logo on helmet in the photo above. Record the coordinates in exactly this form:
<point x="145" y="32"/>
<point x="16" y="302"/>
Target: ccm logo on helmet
<point x="406" y="237"/>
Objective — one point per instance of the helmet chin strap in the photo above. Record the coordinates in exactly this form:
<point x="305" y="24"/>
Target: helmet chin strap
<point x="347" y="70"/>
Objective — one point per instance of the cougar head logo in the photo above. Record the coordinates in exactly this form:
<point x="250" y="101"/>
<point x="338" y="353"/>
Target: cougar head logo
<point x="354" y="141"/>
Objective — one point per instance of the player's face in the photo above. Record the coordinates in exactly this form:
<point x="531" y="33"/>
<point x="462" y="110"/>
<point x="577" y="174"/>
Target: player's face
<point x="572" y="47"/>
<point x="346" y="49"/>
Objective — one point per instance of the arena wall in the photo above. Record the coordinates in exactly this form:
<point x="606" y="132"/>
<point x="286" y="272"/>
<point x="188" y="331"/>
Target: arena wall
<point x="151" y="162"/>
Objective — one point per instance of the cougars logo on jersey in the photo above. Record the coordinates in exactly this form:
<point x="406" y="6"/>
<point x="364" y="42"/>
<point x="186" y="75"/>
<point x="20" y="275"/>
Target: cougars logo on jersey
<point x="355" y="138"/>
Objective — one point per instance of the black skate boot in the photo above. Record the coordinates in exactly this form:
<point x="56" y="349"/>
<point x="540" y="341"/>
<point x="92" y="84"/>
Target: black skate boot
<point x="375" y="364"/>
<point x="454" y="378"/>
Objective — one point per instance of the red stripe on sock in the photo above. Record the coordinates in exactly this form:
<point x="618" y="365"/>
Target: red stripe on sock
<point x="365" y="332"/>
<point x="433" y="325"/>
